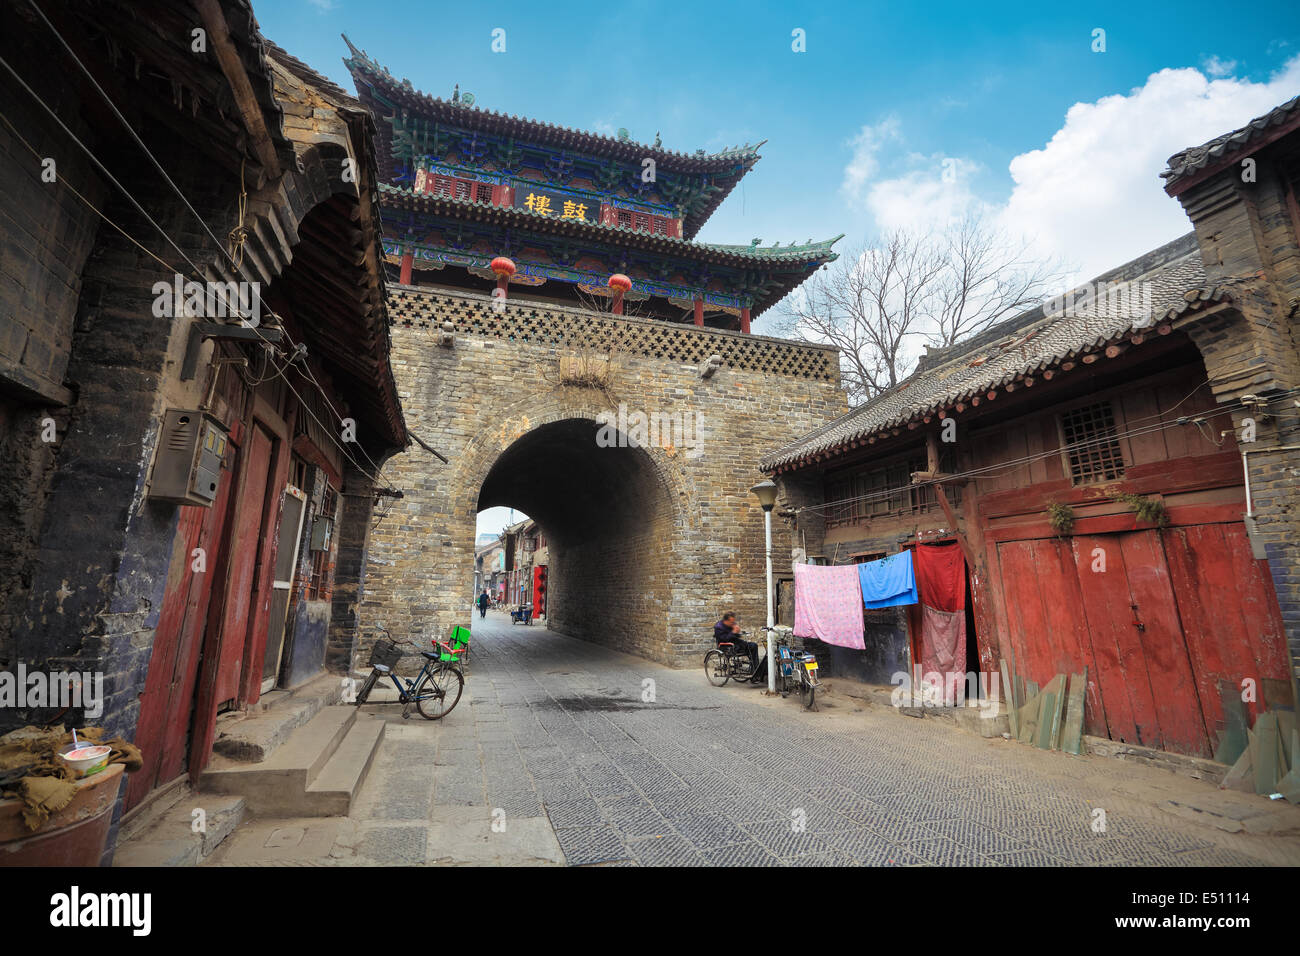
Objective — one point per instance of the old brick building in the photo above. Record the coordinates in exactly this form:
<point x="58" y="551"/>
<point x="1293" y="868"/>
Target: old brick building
<point x="1120" y="473"/>
<point x="194" y="604"/>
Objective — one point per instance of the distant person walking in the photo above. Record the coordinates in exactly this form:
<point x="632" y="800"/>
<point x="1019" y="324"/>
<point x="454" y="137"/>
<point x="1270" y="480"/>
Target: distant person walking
<point x="483" y="602"/>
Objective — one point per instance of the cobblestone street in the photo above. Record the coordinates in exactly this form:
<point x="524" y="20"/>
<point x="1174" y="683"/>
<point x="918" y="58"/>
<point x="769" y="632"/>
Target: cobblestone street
<point x="554" y="733"/>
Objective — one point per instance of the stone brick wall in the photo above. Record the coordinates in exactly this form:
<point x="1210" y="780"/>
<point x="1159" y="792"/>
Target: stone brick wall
<point x="647" y="545"/>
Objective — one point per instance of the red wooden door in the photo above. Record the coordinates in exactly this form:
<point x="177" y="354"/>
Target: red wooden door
<point x="1045" y="617"/>
<point x="243" y="552"/>
<point x="161" y="684"/>
<point x="1173" y="613"/>
<point x="166" y="704"/>
<point x="1229" y="613"/>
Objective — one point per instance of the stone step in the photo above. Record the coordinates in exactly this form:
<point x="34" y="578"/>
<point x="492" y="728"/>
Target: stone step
<point x="278" y="785"/>
<point x="180" y="837"/>
<point x="255" y="736"/>
<point x="332" y="792"/>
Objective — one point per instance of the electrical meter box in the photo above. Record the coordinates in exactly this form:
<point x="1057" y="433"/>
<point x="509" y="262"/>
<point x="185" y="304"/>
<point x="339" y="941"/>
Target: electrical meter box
<point x="322" y="531"/>
<point x="187" y="464"/>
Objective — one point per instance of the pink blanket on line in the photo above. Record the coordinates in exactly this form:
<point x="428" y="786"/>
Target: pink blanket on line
<point x="828" y="604"/>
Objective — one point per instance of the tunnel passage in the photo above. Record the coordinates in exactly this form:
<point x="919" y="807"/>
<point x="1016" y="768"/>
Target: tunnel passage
<point x="608" y="517"/>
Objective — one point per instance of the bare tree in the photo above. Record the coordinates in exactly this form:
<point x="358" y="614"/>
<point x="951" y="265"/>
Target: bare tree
<point x="868" y="304"/>
<point x="988" y="277"/>
<point x="938" y="287"/>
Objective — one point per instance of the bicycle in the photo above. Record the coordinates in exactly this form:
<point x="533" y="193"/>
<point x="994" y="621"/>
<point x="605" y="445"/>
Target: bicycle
<point x="435" y="691"/>
<point x="795" y="670"/>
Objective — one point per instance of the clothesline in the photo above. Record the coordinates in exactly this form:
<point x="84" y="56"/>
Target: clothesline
<point x="830" y="601"/>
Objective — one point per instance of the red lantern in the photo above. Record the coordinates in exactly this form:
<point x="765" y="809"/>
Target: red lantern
<point x="620" y="284"/>
<point x="503" y="267"/>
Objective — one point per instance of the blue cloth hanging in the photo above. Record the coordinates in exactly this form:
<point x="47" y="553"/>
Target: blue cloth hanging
<point x="889" y="582"/>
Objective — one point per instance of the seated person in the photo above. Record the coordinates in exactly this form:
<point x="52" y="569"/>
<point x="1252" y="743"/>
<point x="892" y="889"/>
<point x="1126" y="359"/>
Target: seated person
<point x="728" y="630"/>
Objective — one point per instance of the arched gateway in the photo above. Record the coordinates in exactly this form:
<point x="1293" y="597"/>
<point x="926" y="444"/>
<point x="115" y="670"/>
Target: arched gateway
<point x="617" y="435"/>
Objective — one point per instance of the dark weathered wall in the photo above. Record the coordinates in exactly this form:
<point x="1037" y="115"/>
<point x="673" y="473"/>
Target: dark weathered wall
<point x="46" y="234"/>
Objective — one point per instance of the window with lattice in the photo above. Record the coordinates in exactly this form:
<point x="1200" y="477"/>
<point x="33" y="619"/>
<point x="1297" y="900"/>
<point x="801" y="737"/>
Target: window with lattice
<point x="1090" y="441"/>
<point x="483" y="192"/>
<point x="883" y="491"/>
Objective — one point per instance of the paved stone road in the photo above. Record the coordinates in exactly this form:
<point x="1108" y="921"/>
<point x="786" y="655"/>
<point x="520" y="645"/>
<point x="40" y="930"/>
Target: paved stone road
<point x="554" y="735"/>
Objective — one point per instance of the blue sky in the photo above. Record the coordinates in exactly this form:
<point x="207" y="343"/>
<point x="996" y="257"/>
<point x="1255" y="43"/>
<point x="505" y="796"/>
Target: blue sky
<point x="1055" y="142"/>
<point x="979" y="83"/>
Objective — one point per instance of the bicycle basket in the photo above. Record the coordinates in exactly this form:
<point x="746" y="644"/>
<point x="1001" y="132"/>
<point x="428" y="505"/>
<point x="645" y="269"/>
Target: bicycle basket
<point x="386" y="653"/>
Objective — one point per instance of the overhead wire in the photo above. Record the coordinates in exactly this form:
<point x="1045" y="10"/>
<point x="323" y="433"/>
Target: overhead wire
<point x="1015" y="463"/>
<point x="197" y="271"/>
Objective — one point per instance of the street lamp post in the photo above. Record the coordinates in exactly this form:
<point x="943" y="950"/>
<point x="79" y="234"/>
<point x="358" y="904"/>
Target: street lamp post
<point x="765" y="492"/>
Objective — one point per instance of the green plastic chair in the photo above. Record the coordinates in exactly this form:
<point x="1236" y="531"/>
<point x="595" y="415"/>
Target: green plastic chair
<point x="457" y="640"/>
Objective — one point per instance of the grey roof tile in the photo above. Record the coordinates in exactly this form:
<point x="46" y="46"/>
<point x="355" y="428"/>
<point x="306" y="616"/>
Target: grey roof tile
<point x="1020" y="346"/>
<point x="1188" y="161"/>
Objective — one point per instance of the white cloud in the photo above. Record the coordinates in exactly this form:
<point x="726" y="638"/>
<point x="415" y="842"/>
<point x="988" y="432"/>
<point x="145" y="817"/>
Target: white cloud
<point x="936" y="192"/>
<point x="1092" y="196"/>
<point x="323" y="5"/>
<point x="1215" y="67"/>
<point x="863" y="166"/>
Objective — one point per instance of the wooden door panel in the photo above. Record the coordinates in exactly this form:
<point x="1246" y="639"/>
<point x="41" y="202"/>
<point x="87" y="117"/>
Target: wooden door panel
<point x="1023" y="607"/>
<point x="1131" y="713"/>
<point x="1257" y="602"/>
<point x="159" y="681"/>
<point x="179" y="720"/>
<point x="1229" y="611"/>
<point x="1046" y="619"/>
<point x="1063" y="606"/>
<point x="243" y="564"/>
<point x="1164" y="647"/>
<point x="1210" y="611"/>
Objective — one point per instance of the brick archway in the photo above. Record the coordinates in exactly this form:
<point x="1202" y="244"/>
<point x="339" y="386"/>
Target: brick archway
<point x="607" y="514"/>
<point x="517" y="387"/>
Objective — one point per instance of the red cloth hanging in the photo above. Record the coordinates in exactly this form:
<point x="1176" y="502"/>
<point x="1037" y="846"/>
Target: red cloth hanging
<point x="941" y="576"/>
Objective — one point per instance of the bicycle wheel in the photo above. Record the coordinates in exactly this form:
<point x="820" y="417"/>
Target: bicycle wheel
<point x="806" y="694"/>
<point x="367" y="687"/>
<point x="438" y="691"/>
<point x="715" y="668"/>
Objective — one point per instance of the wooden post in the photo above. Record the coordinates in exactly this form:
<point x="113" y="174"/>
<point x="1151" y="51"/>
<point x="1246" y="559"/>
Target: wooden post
<point x="699" y="312"/>
<point x="408" y="263"/>
<point x="744" y="320"/>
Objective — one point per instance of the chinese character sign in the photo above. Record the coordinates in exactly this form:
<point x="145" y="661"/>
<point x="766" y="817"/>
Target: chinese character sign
<point x="555" y="205"/>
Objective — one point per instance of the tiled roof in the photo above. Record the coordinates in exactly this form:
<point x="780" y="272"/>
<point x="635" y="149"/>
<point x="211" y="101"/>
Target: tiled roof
<point x="788" y="265"/>
<point x="1021" y="346"/>
<point x="360" y="60"/>
<point x="308" y="75"/>
<point x="728" y="166"/>
<point x="810" y="252"/>
<point x="1189" y="161"/>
